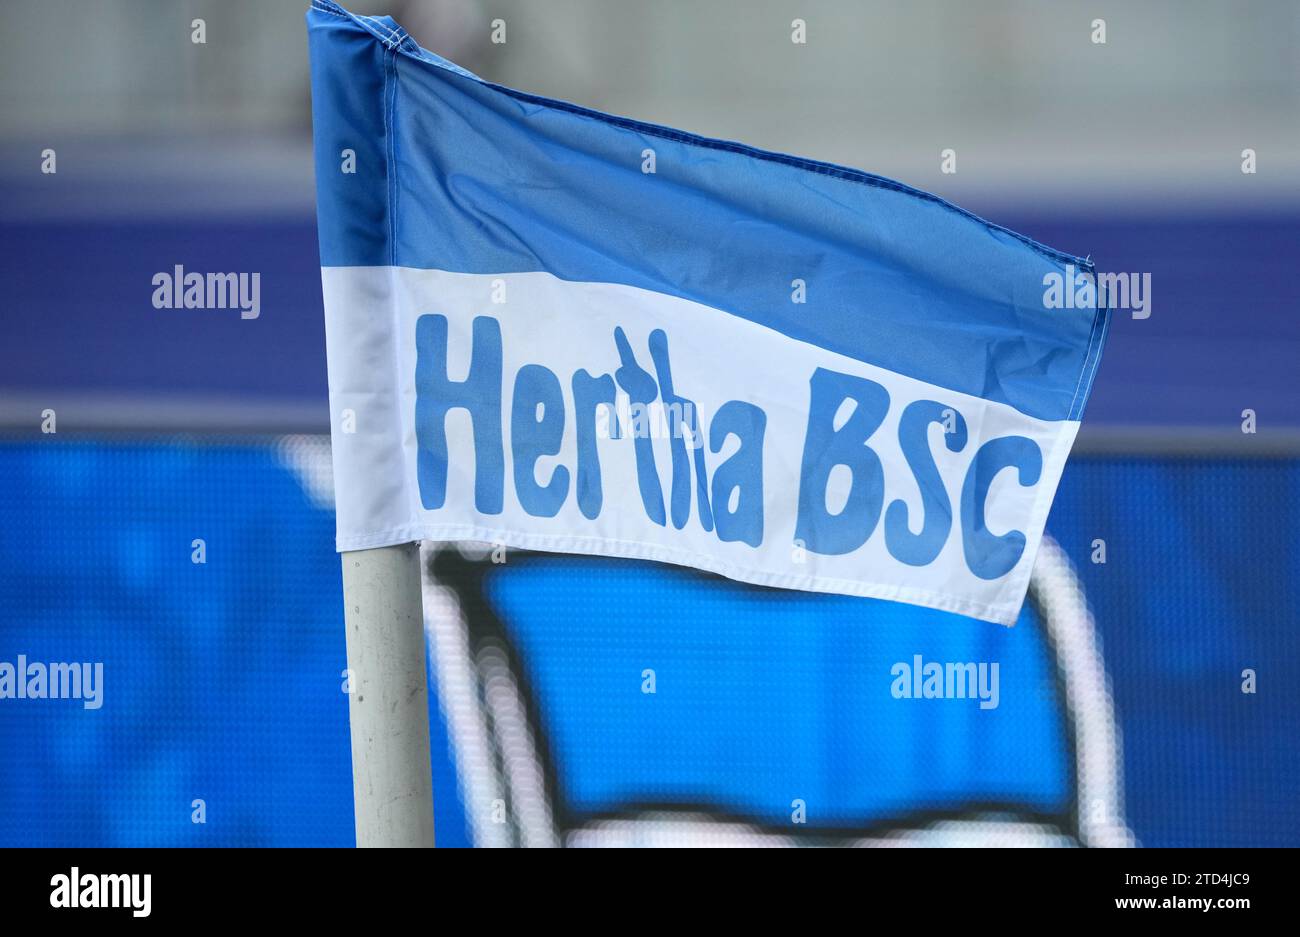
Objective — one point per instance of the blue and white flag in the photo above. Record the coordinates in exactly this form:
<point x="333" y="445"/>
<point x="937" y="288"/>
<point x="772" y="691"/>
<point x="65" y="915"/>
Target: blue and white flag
<point x="554" y="329"/>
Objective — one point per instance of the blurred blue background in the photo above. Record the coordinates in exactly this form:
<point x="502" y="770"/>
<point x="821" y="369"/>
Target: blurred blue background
<point x="223" y="680"/>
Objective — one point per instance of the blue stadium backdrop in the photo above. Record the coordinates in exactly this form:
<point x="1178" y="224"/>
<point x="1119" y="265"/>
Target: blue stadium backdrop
<point x="223" y="680"/>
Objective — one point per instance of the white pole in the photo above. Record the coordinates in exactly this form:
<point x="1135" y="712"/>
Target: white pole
<point x="388" y="705"/>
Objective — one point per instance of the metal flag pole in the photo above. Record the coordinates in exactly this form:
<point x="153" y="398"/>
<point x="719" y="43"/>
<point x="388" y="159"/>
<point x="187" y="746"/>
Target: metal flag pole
<point x="388" y="706"/>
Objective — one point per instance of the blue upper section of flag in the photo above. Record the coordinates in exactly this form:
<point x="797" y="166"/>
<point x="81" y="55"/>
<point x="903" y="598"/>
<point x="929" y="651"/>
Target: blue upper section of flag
<point x="459" y="174"/>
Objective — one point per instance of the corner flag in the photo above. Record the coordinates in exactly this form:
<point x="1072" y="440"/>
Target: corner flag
<point x="555" y="329"/>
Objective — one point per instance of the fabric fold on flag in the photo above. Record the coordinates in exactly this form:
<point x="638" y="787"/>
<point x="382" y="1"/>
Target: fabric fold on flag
<point x="555" y="329"/>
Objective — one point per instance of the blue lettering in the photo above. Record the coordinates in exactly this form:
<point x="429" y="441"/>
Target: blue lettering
<point x="742" y="472"/>
<point x="533" y="436"/>
<point x="641" y="388"/>
<point x="681" y="419"/>
<point x="988" y="556"/>
<point x="825" y="447"/>
<point x="589" y="393"/>
<point x="479" y="393"/>
<point x="936" y="507"/>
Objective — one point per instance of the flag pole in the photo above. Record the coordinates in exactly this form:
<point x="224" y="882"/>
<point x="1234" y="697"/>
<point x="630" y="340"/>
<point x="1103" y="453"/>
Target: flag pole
<point x="388" y="707"/>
